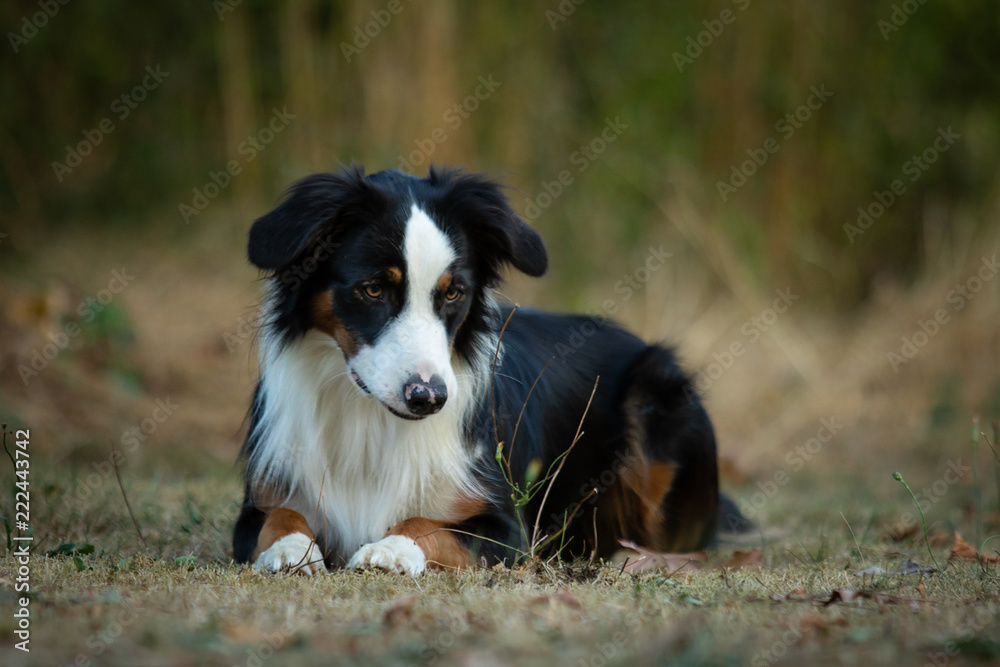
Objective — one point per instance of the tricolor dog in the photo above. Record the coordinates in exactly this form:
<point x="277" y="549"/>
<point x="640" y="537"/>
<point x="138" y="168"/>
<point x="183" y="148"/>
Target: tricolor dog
<point x="386" y="388"/>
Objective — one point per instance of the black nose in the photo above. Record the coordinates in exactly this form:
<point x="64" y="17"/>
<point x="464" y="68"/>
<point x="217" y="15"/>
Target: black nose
<point x="425" y="398"/>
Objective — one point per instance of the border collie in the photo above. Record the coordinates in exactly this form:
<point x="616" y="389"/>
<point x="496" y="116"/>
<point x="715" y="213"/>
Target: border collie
<point x="398" y="402"/>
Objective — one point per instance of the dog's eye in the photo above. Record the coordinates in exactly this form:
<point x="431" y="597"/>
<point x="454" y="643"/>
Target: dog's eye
<point x="373" y="291"/>
<point x="453" y="293"/>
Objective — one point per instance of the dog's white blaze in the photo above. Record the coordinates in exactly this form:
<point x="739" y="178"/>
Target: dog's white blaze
<point x="355" y="470"/>
<point x="416" y="342"/>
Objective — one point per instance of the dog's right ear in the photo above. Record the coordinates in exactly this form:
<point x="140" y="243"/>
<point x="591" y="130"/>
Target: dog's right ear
<point x="309" y="210"/>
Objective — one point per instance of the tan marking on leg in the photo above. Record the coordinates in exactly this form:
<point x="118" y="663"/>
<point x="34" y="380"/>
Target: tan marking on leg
<point x="328" y="323"/>
<point x="467" y="506"/>
<point x="440" y="546"/>
<point x="278" y="524"/>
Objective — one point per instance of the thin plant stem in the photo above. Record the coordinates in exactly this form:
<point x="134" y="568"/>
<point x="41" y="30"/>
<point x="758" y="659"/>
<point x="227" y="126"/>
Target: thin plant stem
<point x="976" y="496"/>
<point x="899" y="478"/>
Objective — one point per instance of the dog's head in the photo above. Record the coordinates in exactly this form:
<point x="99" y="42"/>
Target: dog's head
<point x="395" y="269"/>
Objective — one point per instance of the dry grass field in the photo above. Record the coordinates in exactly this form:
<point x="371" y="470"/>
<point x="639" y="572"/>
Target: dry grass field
<point x="812" y="421"/>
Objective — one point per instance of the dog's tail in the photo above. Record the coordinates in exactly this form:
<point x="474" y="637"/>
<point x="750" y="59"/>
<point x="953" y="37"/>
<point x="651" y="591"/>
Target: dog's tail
<point x="730" y="521"/>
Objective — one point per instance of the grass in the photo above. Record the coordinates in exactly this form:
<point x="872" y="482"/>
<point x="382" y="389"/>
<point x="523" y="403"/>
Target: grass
<point x="103" y="596"/>
<point x="176" y="598"/>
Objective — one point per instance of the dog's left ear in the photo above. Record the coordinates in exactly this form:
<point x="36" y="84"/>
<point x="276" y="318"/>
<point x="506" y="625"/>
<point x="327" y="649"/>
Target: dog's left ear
<point x="498" y="235"/>
<point x="312" y="208"/>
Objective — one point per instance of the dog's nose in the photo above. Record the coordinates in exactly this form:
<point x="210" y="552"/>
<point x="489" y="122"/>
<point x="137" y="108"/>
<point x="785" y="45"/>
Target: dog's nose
<point x="425" y="398"/>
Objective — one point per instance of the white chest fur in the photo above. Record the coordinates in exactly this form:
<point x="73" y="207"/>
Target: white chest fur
<point x="353" y="469"/>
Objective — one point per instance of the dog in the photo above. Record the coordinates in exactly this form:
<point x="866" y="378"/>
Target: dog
<point x="404" y="419"/>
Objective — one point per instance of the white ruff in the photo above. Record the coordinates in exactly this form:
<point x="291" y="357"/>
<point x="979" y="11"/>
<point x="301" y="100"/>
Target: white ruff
<point x="354" y="470"/>
<point x="379" y="469"/>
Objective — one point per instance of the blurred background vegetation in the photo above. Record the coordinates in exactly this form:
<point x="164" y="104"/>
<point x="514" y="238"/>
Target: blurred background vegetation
<point x="897" y="75"/>
<point x="229" y="66"/>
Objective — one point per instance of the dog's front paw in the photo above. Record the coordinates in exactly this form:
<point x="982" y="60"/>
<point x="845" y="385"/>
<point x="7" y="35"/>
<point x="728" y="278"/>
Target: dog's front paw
<point x="395" y="553"/>
<point x="296" y="552"/>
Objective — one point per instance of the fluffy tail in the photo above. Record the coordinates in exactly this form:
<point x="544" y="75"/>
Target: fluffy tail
<point x="730" y="520"/>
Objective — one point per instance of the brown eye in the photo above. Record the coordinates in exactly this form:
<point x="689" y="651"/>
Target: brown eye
<point x="452" y="294"/>
<point x="373" y="291"/>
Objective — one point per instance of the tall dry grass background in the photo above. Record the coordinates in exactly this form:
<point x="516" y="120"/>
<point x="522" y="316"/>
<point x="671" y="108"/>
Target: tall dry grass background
<point x="178" y="329"/>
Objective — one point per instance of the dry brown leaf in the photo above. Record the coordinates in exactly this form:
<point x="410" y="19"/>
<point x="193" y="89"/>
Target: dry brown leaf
<point x="242" y="633"/>
<point x="814" y="625"/>
<point x="922" y="589"/>
<point x="791" y="596"/>
<point x="399" y="612"/>
<point x="844" y="595"/>
<point x="564" y="598"/>
<point x="962" y="550"/>
<point x="646" y="560"/>
<point x="750" y="560"/>
<point x="939" y="538"/>
<point x="899" y="533"/>
<point x="882" y="601"/>
<point x="731" y="472"/>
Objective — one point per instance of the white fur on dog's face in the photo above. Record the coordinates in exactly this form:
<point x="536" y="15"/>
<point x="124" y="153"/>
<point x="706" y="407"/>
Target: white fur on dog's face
<point x="416" y="341"/>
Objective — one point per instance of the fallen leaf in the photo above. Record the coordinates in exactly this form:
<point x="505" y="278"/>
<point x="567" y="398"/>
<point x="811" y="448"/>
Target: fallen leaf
<point x="399" y="612"/>
<point x="922" y="589"/>
<point x="962" y="550"/>
<point x="882" y="601"/>
<point x="792" y="596"/>
<point x="646" y="560"/>
<point x="901" y="532"/>
<point x="939" y="538"/>
<point x="242" y="633"/>
<point x="814" y="626"/>
<point x="565" y="598"/>
<point x="909" y="567"/>
<point x="844" y="595"/>
<point x="750" y="560"/>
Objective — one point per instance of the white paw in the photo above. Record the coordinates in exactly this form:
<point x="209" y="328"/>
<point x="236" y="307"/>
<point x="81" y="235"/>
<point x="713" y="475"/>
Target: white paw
<point x="295" y="552"/>
<point x="395" y="553"/>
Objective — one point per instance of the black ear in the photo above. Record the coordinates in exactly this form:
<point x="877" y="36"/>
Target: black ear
<point x="310" y="209"/>
<point x="498" y="235"/>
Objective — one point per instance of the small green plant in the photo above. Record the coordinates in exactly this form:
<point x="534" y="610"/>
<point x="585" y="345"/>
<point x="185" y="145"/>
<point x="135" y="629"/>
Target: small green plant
<point x="976" y="498"/>
<point x="522" y="494"/>
<point x="899" y="478"/>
